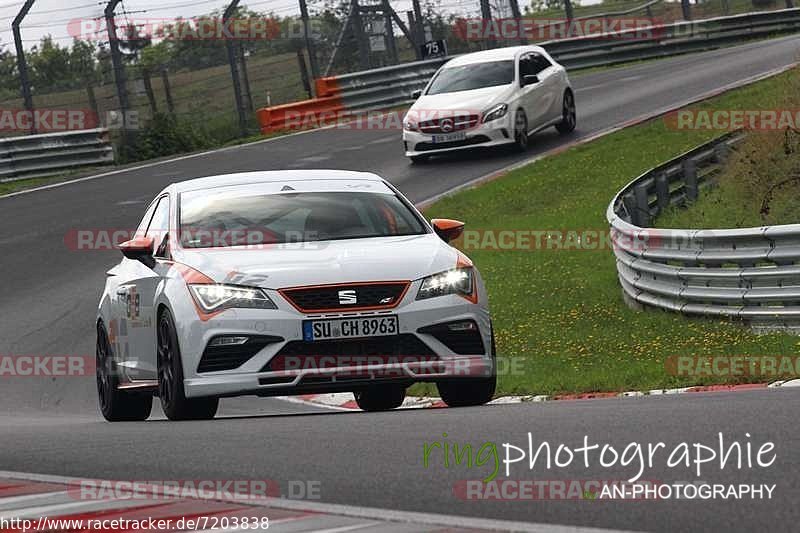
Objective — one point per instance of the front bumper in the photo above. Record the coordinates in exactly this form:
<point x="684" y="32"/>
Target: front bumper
<point x="495" y="133"/>
<point x="345" y="372"/>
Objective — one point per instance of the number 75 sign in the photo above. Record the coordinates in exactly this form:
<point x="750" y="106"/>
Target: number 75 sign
<point x="433" y="49"/>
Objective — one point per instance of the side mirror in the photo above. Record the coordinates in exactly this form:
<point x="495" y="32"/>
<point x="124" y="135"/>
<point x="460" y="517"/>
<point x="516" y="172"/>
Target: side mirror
<point x="416" y="94"/>
<point x="530" y="79"/>
<point x="139" y="249"/>
<point x="448" y="230"/>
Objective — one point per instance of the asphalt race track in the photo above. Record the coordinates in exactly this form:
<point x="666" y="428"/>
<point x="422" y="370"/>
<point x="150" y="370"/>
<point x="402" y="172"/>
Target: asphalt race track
<point x="47" y="306"/>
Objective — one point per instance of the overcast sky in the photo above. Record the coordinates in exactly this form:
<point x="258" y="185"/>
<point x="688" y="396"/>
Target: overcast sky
<point x="53" y="16"/>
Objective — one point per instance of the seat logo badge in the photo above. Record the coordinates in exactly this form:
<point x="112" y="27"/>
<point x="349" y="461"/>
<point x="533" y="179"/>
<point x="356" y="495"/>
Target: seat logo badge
<point x="347" y="297"/>
<point x="386" y="300"/>
<point x="447" y="125"/>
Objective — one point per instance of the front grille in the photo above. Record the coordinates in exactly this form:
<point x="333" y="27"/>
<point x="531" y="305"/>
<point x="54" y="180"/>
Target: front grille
<point x="425" y="146"/>
<point x="462" y="342"/>
<point x="355" y="296"/>
<point x="306" y="355"/>
<point x="456" y="123"/>
<point x="228" y="357"/>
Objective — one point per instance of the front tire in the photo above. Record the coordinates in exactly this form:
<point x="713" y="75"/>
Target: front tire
<point x="116" y="405"/>
<point x="468" y="392"/>
<point x="568" y="115"/>
<point x="173" y="398"/>
<point x="380" y="398"/>
<point x="418" y="159"/>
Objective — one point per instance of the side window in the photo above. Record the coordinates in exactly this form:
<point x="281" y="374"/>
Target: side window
<point x="526" y="66"/>
<point x="539" y="62"/>
<point x="148" y="216"/>
<point x="159" y="226"/>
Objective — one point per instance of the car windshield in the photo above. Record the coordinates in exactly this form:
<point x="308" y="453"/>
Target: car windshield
<point x="475" y="76"/>
<point x="246" y="216"/>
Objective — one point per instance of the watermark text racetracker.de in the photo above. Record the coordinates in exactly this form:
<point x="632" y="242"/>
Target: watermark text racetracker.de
<point x="756" y="120"/>
<point x="545" y="29"/>
<point x="193" y="522"/>
<point x="737" y="366"/>
<point x="46" y="366"/>
<point x="208" y="28"/>
<point x="232" y="490"/>
<point x="66" y="119"/>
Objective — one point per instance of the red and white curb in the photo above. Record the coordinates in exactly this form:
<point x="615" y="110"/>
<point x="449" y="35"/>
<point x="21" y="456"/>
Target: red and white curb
<point x="343" y="401"/>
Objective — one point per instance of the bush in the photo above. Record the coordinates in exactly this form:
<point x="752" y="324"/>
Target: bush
<point x="164" y="135"/>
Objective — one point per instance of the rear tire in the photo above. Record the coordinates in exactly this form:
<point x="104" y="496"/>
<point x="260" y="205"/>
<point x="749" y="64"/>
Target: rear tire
<point x="116" y="405"/>
<point x="469" y="392"/>
<point x="380" y="398"/>
<point x="568" y="115"/>
<point x="174" y="402"/>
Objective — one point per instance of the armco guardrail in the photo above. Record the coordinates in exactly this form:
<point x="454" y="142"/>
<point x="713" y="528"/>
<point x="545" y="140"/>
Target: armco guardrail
<point x="752" y="274"/>
<point x="389" y="87"/>
<point x="49" y="153"/>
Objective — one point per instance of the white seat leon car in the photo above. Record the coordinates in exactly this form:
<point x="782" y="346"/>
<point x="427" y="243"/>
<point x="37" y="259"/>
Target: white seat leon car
<point x="284" y="283"/>
<point x="489" y="98"/>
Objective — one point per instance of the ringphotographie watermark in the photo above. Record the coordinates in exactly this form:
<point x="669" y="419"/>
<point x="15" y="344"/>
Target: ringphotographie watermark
<point x="689" y="457"/>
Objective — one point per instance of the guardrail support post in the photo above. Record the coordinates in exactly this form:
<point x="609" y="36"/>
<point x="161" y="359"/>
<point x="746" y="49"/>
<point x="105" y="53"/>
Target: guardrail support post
<point x="233" y="60"/>
<point x="167" y="90"/>
<point x="518" y="18"/>
<point x="486" y="15"/>
<point x="119" y="72"/>
<point x="312" y="55"/>
<point x="22" y="65"/>
<point x="690" y="178"/>
<point x="642" y="205"/>
<point x="721" y="153"/>
<point x="662" y="191"/>
<point x="686" y="8"/>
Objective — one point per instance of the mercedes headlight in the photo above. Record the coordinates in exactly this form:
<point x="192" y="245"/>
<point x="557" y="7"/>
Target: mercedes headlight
<point x="498" y="111"/>
<point x="457" y="281"/>
<point x="410" y="125"/>
<point x="215" y="297"/>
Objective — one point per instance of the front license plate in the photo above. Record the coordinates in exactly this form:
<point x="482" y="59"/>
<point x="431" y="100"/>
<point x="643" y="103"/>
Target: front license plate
<point x="348" y="328"/>
<point x="449" y="138"/>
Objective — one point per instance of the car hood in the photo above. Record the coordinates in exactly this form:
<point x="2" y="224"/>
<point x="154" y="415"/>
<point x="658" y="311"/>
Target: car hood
<point x="477" y="100"/>
<point x="324" y="262"/>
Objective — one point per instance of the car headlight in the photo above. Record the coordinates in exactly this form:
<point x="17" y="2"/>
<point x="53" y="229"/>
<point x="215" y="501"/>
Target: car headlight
<point x="410" y="125"/>
<point x="215" y="297"/>
<point x="498" y="111"/>
<point x="457" y="281"/>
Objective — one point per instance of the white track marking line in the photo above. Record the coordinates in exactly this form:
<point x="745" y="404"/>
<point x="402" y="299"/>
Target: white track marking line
<point x="30" y="497"/>
<point x="47" y="510"/>
<point x="369" y="513"/>
<point x="348" y="528"/>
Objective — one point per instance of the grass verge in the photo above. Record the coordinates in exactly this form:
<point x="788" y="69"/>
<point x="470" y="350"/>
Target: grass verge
<point x="561" y="311"/>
